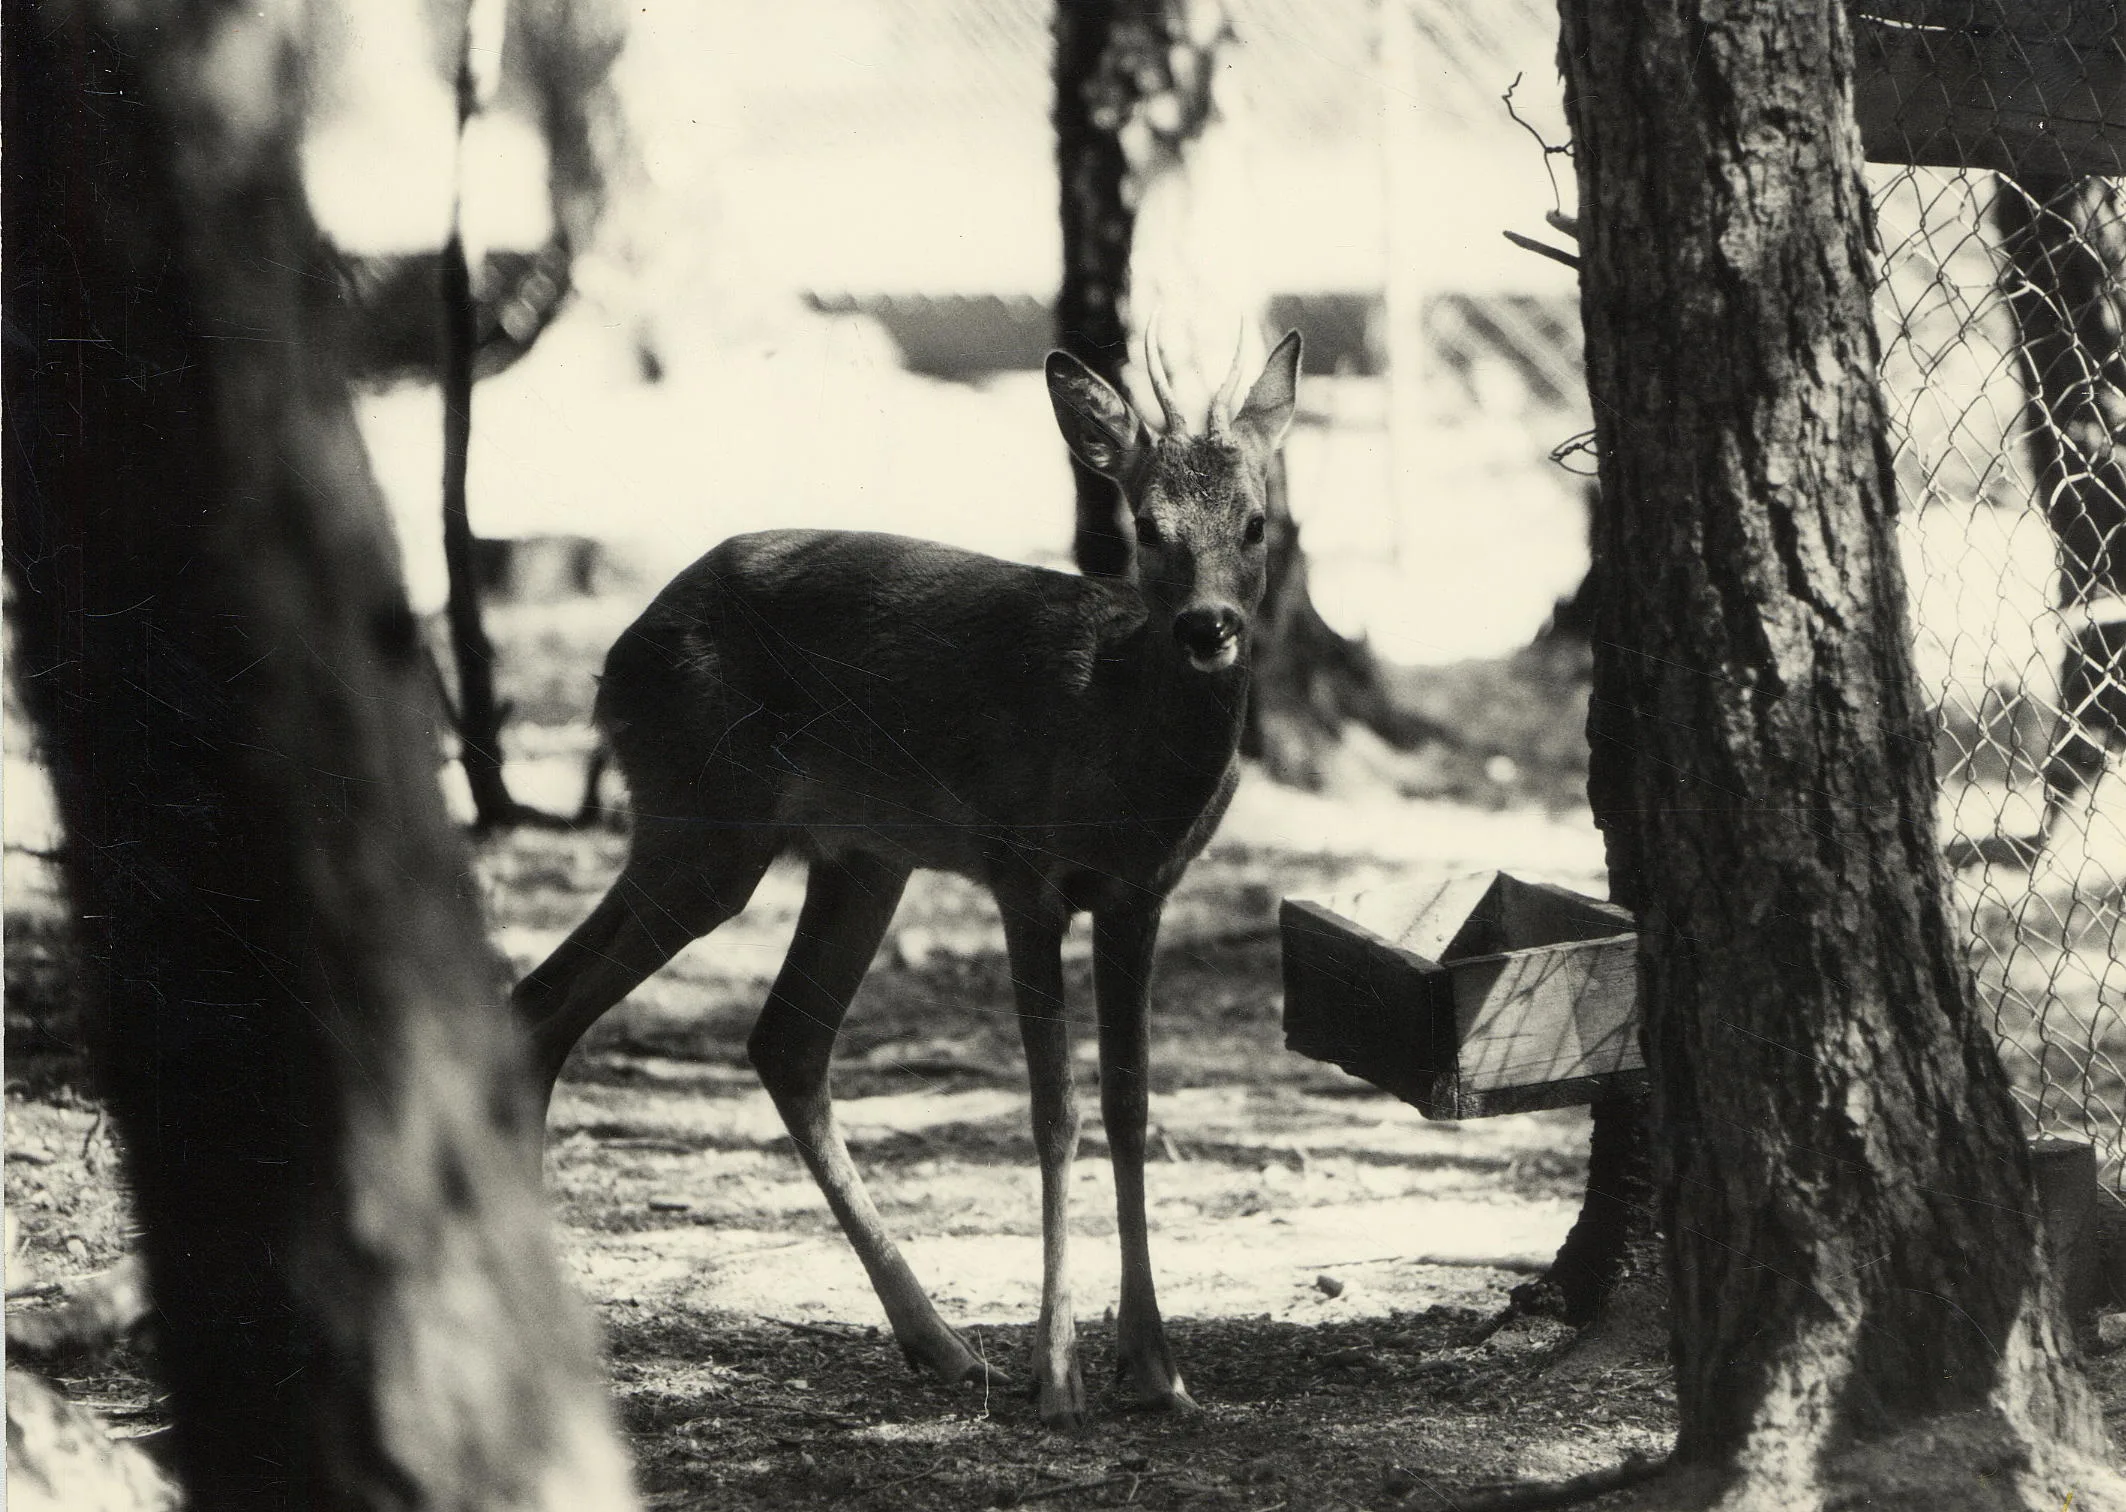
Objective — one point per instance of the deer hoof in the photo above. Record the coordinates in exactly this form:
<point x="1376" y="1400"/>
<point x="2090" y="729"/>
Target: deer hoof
<point x="1155" y="1387"/>
<point x="1176" y="1399"/>
<point x="1062" y="1402"/>
<point x="982" y="1374"/>
<point x="951" y="1361"/>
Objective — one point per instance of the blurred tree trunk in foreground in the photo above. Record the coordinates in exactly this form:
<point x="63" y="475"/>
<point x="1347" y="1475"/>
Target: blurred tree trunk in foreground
<point x="2065" y="245"/>
<point x="1136" y="104"/>
<point x="301" y="1032"/>
<point x="1861" y="1307"/>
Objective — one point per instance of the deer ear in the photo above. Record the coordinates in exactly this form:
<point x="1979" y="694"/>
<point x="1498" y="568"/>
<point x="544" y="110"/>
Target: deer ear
<point x="1267" y="414"/>
<point x="1102" y="430"/>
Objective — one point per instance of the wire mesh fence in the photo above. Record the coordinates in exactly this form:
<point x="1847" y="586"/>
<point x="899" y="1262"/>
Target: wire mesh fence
<point x="2000" y="307"/>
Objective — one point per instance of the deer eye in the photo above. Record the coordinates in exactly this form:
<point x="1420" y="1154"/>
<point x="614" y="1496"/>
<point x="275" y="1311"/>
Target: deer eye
<point x="1254" y="531"/>
<point x="1148" y="532"/>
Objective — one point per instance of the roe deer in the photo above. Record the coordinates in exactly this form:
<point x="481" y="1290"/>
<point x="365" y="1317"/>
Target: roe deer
<point x="876" y="704"/>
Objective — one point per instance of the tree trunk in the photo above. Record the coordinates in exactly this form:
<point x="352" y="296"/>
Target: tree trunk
<point x="1615" y="1241"/>
<point x="2065" y="246"/>
<point x="1096" y="90"/>
<point x="1861" y="1304"/>
<point x="327" y="1131"/>
<point x="476" y="713"/>
<point x="564" y="55"/>
<point x="1307" y="681"/>
<point x="1135" y="101"/>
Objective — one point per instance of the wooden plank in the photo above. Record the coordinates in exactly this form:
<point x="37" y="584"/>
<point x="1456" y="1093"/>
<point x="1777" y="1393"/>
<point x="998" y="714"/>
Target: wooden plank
<point x="1424" y="992"/>
<point x="1538" y="913"/>
<point x="1423" y="919"/>
<point x="1552" y="1014"/>
<point x="2067" y="1200"/>
<point x="2022" y="100"/>
<point x="2111" y="1250"/>
<point x="1357" y="1000"/>
<point x="1575" y="1093"/>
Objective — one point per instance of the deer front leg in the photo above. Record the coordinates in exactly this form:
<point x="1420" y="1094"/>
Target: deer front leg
<point x="1123" y="940"/>
<point x="848" y="905"/>
<point x="1035" y="942"/>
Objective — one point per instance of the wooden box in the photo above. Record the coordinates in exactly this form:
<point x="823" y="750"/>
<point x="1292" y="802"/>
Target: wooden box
<point x="1483" y="994"/>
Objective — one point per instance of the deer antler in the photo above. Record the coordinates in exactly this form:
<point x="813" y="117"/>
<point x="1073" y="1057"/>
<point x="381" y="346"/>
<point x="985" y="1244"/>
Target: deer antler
<point x="1228" y="391"/>
<point x="1162" y="381"/>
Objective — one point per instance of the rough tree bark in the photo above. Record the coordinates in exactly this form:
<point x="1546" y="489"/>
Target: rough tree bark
<point x="1861" y="1306"/>
<point x="1135" y="95"/>
<point x="2064" y="246"/>
<point x="301" y="1033"/>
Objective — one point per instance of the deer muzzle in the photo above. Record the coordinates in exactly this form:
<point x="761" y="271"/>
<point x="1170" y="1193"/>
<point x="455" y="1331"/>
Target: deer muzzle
<point x="1210" y="635"/>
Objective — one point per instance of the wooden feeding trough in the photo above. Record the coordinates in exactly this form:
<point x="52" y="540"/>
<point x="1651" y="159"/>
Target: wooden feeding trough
<point x="1486" y="994"/>
<point x="1480" y="995"/>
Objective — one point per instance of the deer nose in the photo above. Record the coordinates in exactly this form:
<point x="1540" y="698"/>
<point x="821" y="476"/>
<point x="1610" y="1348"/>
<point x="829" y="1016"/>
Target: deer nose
<point x="1210" y="635"/>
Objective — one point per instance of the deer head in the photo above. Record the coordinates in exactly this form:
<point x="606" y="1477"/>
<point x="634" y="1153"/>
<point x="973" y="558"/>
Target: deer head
<point x="1197" y="501"/>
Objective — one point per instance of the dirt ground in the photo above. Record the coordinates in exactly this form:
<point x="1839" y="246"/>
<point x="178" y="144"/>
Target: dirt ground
<point x="1327" y="1259"/>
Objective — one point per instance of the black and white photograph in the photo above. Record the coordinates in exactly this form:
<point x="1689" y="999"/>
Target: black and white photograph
<point x="1204" y="755"/>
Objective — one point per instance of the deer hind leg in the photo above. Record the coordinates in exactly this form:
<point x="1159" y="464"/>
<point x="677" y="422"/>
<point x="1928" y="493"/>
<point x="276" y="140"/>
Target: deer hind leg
<point x="1034" y="938"/>
<point x="848" y="904"/>
<point x="1123" y="941"/>
<point x="661" y="901"/>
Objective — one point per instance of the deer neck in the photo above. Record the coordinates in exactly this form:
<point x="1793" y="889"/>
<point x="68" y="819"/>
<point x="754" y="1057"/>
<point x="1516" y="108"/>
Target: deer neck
<point x="1187" y="721"/>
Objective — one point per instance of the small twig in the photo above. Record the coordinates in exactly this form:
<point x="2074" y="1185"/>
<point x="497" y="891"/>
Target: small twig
<point x="1508" y="1314"/>
<point x="654" y="1144"/>
<point x="857" y="1330"/>
<point x="837" y="1419"/>
<point x="1094" y="1484"/>
<point x="1539" y="1496"/>
<point x="1542" y="249"/>
<point x="1549" y="151"/>
<point x="98" y="1314"/>
<point x="1559" y="221"/>
<point x="907" y="1480"/>
<point x="844" y="1332"/>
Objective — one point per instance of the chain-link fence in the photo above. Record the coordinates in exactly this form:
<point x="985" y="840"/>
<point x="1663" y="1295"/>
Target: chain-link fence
<point x="2000" y="311"/>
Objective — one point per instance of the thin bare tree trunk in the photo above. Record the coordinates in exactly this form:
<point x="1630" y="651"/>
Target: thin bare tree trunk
<point x="326" y="1126"/>
<point x="1136" y="96"/>
<point x="2065" y="246"/>
<point x="1097" y="47"/>
<point x="1615" y="1241"/>
<point x="476" y="713"/>
<point x="1861" y="1304"/>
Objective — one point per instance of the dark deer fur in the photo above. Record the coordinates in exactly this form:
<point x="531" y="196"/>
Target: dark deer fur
<point x="877" y="704"/>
